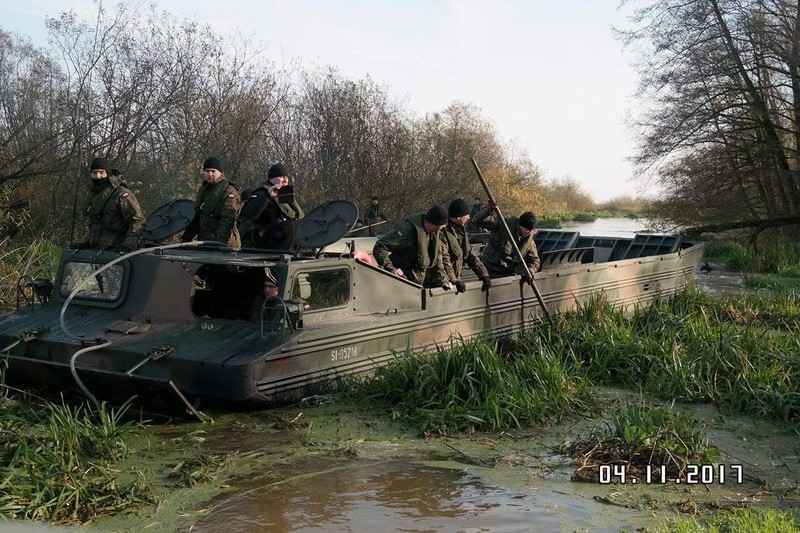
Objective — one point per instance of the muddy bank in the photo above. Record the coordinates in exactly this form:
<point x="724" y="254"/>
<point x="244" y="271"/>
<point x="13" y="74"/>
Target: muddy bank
<point x="347" y="466"/>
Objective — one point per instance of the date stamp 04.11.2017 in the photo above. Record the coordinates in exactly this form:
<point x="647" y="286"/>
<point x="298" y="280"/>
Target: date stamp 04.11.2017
<point x="693" y="474"/>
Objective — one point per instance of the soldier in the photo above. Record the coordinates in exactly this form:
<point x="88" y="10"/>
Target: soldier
<point x="270" y="213"/>
<point x="413" y="249"/>
<point x="267" y="306"/>
<point x="477" y="207"/>
<point x="216" y="208"/>
<point x="458" y="247"/>
<point x="115" y="218"/>
<point x="498" y="255"/>
<point x="372" y="213"/>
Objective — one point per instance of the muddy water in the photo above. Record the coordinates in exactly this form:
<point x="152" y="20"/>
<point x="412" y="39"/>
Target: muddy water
<point x="377" y="496"/>
<point x="352" y="469"/>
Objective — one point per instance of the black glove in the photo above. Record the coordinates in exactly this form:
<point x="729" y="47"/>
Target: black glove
<point x="79" y="245"/>
<point x="487" y="284"/>
<point x="460" y="286"/>
<point x="123" y="249"/>
<point x="524" y="280"/>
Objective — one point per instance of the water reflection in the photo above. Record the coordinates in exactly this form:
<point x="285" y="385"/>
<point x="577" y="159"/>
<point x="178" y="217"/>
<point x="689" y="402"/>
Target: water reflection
<point x="609" y="227"/>
<point x="399" y="496"/>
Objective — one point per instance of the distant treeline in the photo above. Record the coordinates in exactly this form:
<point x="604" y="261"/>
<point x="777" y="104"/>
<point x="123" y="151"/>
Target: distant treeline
<point x="157" y="95"/>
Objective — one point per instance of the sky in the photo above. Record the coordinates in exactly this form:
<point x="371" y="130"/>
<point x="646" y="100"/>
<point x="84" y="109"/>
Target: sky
<point x="548" y="73"/>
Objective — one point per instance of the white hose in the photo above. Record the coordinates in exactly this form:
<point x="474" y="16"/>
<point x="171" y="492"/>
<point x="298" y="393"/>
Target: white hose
<point x="83" y="282"/>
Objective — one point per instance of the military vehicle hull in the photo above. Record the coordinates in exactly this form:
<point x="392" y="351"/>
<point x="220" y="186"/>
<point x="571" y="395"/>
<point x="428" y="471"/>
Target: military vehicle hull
<point x="187" y="325"/>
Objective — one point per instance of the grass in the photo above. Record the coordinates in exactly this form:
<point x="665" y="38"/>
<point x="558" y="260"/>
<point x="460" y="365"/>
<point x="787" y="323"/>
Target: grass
<point x="472" y="385"/>
<point x="642" y="434"/>
<point x="742" y="353"/>
<point x="554" y="220"/>
<point x="785" y="281"/>
<point x="57" y="463"/>
<point x="777" y="257"/>
<point x="737" y="521"/>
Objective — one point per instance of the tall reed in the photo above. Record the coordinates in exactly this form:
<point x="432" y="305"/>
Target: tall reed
<point x="740" y="353"/>
<point x="472" y="385"/>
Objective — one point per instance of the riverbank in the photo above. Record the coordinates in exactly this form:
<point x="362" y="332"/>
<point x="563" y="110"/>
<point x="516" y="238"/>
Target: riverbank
<point x="324" y="464"/>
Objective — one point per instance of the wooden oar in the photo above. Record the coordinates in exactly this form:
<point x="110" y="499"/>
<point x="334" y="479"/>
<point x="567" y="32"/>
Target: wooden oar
<point x="512" y="240"/>
<point x="365" y="227"/>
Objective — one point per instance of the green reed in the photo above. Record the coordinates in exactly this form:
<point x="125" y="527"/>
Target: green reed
<point x="639" y="434"/>
<point x="735" y="521"/>
<point x="473" y="385"/>
<point x="776" y="257"/>
<point x="57" y="462"/>
<point x="740" y="353"/>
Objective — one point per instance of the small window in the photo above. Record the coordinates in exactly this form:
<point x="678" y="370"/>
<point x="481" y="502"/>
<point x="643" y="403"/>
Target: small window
<point x="321" y="290"/>
<point x="106" y="286"/>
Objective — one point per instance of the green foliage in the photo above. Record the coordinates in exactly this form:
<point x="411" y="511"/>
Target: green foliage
<point x="777" y="257"/>
<point x="776" y="282"/>
<point x="678" y="434"/>
<point x="734" y="255"/>
<point x="57" y="463"/>
<point x="641" y="434"/>
<point x="471" y="385"/>
<point x="549" y="222"/>
<point x="693" y="348"/>
<point x="736" y="521"/>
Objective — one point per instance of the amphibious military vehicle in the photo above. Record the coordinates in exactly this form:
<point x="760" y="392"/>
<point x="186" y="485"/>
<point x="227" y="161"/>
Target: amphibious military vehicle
<point x="177" y="324"/>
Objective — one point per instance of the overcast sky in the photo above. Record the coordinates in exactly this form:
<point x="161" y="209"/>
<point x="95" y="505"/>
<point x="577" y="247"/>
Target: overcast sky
<point x="548" y="73"/>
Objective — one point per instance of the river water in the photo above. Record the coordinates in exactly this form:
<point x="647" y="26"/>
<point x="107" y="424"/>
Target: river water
<point x="612" y="227"/>
<point x="379" y="482"/>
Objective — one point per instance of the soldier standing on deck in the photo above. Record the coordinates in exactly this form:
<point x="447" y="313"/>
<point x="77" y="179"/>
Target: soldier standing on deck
<point x="216" y="208"/>
<point x="270" y="213"/>
<point x="372" y="214"/>
<point x="115" y="218"/>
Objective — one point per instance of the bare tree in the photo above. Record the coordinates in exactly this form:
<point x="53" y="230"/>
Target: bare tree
<point x="720" y="81"/>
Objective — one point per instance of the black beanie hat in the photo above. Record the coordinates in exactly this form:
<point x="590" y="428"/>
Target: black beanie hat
<point x="527" y="220"/>
<point x="458" y="208"/>
<point x="98" y="163"/>
<point x="212" y="162"/>
<point x="276" y="171"/>
<point x="436" y="215"/>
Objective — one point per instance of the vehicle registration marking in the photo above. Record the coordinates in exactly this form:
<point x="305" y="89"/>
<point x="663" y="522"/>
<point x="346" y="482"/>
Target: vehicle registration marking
<point x="342" y="354"/>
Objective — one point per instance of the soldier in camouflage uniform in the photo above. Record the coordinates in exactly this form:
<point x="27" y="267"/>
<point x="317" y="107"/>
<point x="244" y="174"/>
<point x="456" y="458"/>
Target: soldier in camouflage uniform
<point x="413" y="250"/>
<point x="115" y="218"/>
<point x="270" y="213"/>
<point x="372" y="213"/>
<point x="217" y="206"/>
<point x="458" y="247"/>
<point x="498" y="255"/>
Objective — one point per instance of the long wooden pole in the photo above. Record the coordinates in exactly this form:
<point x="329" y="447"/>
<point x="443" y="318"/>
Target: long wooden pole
<point x="513" y="241"/>
<point x="365" y="227"/>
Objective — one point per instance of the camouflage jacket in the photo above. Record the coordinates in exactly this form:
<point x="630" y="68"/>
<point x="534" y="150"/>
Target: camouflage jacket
<point x="498" y="255"/>
<point x="217" y="206"/>
<point x="372" y="213"/>
<point x="414" y="250"/>
<point x="115" y="218"/>
<point x="460" y="251"/>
